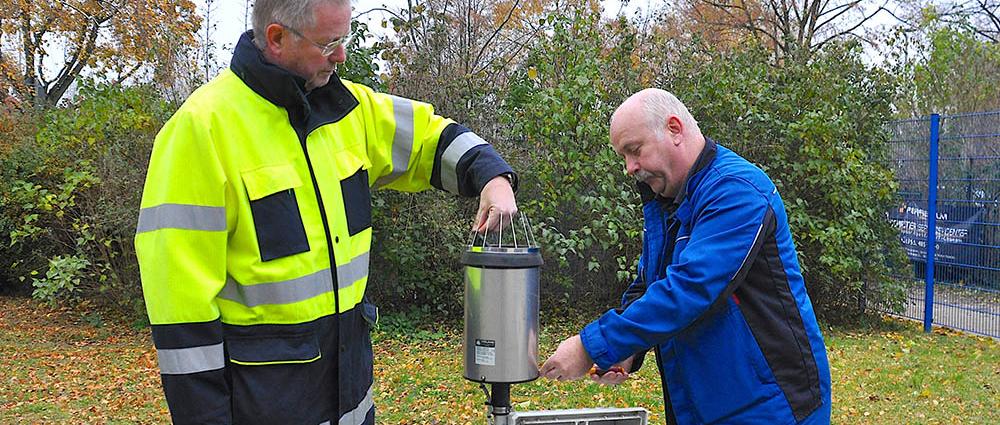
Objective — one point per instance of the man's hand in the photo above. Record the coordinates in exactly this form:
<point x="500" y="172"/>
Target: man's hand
<point x="570" y="361"/>
<point x="495" y="201"/>
<point x="614" y="376"/>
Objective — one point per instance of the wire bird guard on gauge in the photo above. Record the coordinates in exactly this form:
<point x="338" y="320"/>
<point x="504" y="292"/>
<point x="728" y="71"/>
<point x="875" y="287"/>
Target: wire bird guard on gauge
<point x="501" y="309"/>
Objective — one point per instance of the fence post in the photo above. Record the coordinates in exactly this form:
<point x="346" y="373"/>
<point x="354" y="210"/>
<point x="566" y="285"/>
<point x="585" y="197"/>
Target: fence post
<point x="932" y="184"/>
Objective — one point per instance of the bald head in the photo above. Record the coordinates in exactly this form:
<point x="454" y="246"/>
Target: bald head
<point x="658" y="138"/>
<point x="656" y="106"/>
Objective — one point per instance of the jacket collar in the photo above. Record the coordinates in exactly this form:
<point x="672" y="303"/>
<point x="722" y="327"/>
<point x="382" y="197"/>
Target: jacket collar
<point x="307" y="110"/>
<point x="706" y="157"/>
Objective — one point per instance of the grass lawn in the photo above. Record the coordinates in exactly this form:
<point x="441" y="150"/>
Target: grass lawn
<point x="58" y="367"/>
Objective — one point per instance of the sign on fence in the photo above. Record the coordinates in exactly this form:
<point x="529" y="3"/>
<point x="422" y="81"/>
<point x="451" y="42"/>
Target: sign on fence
<point x="955" y="233"/>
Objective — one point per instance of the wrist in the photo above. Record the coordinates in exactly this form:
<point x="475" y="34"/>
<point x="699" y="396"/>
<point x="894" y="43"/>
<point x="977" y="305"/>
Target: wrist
<point x="509" y="177"/>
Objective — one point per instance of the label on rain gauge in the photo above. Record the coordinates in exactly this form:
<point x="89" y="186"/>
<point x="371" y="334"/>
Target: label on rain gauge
<point x="486" y="352"/>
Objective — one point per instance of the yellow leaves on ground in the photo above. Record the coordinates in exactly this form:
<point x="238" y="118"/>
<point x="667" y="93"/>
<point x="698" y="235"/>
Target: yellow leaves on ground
<point x="533" y="73"/>
<point x="60" y="370"/>
<point x="901" y="375"/>
<point x="55" y="368"/>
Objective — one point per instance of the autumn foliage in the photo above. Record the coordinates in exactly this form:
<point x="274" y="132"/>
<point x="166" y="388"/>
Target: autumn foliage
<point x="118" y="40"/>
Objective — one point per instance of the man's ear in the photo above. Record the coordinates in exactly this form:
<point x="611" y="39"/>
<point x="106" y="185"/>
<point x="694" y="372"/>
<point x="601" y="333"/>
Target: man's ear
<point x="674" y="127"/>
<point x="277" y="39"/>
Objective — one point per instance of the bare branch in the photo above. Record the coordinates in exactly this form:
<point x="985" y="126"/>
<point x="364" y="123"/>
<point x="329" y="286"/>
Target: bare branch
<point x="851" y="29"/>
<point x="73" y="6"/>
<point x="903" y="21"/>
<point x="722" y="5"/>
<point x="378" y="9"/>
<point x="495" y="32"/>
<point x="73" y="68"/>
<point x="791" y="25"/>
<point x="781" y="15"/>
<point x="841" y="8"/>
<point x="848" y="8"/>
<point x="413" y="35"/>
<point x="125" y="75"/>
<point x="785" y="8"/>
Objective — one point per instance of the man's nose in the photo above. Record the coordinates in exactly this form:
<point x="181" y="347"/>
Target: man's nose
<point x="631" y="167"/>
<point x="339" y="55"/>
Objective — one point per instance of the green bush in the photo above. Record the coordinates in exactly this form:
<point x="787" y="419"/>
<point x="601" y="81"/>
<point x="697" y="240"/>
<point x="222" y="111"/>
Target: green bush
<point x="62" y="280"/>
<point x="71" y="197"/>
<point x="585" y="209"/>
<point x="361" y="66"/>
<point x="418" y="240"/>
<point x="17" y="128"/>
<point x="819" y="130"/>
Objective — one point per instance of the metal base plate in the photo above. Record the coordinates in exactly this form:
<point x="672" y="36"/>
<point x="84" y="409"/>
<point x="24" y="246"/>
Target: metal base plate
<point x="591" y="416"/>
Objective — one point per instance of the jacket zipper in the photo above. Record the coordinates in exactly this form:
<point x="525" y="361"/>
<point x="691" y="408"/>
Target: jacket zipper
<point x="333" y="274"/>
<point x="670" y="228"/>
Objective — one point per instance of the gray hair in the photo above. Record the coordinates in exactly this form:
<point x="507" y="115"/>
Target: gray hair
<point x="297" y="14"/>
<point x="660" y="104"/>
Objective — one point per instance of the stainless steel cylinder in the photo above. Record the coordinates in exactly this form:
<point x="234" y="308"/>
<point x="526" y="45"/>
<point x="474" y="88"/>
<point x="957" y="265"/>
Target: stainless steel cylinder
<point x="501" y="315"/>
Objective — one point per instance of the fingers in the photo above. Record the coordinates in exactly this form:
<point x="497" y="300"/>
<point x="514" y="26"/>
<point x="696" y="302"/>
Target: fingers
<point x="545" y="369"/>
<point x="496" y="201"/>
<point x="505" y="211"/>
<point x="553" y="368"/>
<point x="550" y="370"/>
<point x="556" y="374"/>
<point x="482" y="219"/>
<point x="609" y="378"/>
<point x="569" y="362"/>
<point x="613" y="376"/>
<point x="493" y="217"/>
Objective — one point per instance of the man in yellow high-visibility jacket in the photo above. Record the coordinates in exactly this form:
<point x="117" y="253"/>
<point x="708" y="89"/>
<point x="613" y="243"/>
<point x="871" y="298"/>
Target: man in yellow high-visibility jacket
<point x="255" y="226"/>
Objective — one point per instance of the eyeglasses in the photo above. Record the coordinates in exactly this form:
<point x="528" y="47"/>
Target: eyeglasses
<point x="328" y="48"/>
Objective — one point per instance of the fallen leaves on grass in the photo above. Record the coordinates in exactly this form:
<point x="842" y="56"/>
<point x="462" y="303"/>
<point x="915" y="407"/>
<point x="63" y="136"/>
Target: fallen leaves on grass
<point x="57" y="368"/>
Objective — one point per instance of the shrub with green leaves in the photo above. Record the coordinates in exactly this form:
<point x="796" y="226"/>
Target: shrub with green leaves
<point x="819" y="130"/>
<point x="418" y="240"/>
<point x="71" y="196"/>
<point x="585" y="208"/>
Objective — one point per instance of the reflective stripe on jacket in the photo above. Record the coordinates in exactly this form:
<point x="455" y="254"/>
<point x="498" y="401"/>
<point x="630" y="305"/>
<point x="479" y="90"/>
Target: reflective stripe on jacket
<point x="254" y="233"/>
<point x="721" y="299"/>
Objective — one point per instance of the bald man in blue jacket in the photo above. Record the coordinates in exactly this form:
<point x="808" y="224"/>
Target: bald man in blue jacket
<point x="719" y="295"/>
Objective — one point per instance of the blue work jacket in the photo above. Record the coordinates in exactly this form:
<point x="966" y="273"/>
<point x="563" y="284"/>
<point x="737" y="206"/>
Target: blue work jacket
<point x="720" y="299"/>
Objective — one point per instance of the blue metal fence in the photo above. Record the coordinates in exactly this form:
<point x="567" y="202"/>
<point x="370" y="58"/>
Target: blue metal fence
<point x="948" y="168"/>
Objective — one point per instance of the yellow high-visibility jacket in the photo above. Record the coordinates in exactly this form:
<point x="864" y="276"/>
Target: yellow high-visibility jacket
<point x="254" y="234"/>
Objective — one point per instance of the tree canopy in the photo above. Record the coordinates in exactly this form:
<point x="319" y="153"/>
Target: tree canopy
<point x="48" y="44"/>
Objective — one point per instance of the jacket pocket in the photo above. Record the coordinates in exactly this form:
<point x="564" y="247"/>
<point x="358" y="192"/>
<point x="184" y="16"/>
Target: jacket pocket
<point x="369" y="312"/>
<point x="275" y="211"/>
<point x="274" y="350"/>
<point x="357" y="201"/>
<point x="278" y="379"/>
<point x="720" y="367"/>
